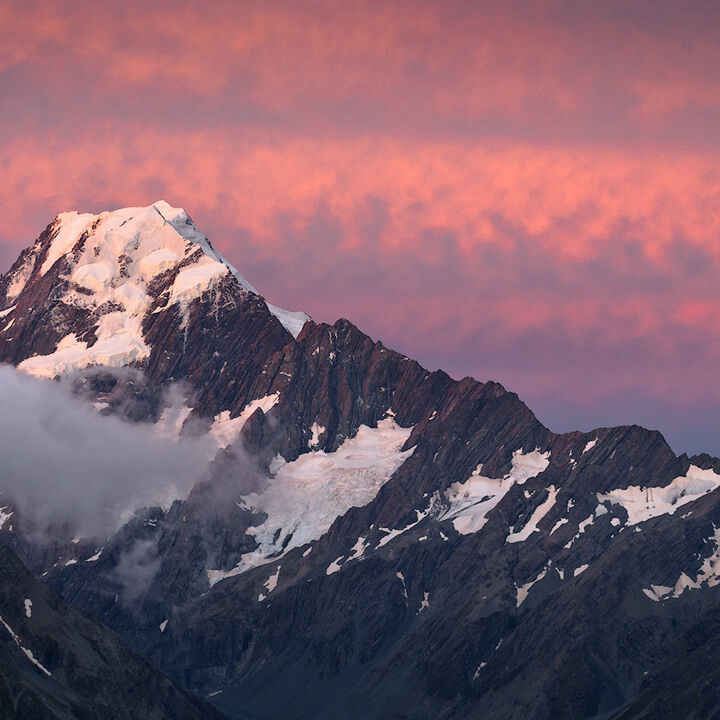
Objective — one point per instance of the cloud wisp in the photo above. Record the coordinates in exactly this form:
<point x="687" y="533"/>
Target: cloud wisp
<point x="70" y="469"/>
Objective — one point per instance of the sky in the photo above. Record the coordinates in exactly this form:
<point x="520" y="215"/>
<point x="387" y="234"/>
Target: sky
<point x="527" y="192"/>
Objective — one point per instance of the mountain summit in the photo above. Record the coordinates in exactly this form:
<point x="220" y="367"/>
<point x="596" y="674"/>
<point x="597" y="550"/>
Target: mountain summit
<point x="107" y="272"/>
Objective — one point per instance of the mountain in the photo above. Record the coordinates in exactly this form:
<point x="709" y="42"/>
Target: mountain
<point x="371" y="539"/>
<point x="57" y="665"/>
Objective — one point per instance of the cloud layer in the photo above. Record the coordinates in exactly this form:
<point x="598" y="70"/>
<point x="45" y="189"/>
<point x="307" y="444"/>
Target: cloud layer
<point x="66" y="465"/>
<point x="527" y="192"/>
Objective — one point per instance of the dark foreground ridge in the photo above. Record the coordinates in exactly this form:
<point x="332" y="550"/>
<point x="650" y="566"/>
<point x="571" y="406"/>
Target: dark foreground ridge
<point x="56" y="664"/>
<point x="471" y="564"/>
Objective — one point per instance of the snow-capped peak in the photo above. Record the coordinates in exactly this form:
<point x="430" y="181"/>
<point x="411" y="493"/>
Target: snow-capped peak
<point x="112" y="258"/>
<point x="153" y="239"/>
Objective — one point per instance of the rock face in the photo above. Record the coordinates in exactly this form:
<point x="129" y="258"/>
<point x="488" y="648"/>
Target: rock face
<point x="57" y="665"/>
<point x="372" y="540"/>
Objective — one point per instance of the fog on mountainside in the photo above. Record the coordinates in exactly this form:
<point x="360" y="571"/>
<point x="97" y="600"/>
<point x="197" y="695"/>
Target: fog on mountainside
<point x="66" y="464"/>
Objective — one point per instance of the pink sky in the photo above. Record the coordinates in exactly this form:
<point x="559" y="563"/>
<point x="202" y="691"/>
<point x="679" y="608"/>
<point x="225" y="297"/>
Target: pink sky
<point x="526" y="192"/>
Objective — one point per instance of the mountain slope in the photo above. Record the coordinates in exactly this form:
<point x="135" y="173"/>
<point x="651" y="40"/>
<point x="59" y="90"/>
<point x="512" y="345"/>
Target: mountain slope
<point x="372" y="539"/>
<point x="57" y="664"/>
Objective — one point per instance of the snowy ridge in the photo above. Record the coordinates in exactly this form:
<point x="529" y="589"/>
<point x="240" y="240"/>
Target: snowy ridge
<point x="115" y="256"/>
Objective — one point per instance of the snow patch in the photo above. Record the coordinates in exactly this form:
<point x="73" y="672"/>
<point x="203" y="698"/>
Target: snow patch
<point x="644" y="503"/>
<point x="120" y="343"/>
<point x="304" y="497"/>
<point x="532" y="524"/>
<point x="401" y="578"/>
<point x="272" y="581"/>
<point x="5" y="515"/>
<point x="71" y="226"/>
<point x="334" y="566"/>
<point x="472" y="500"/>
<point x="192" y="281"/>
<point x="316" y="431"/>
<point x="392" y="534"/>
<point x="172" y="419"/>
<point x="584" y="524"/>
<point x="523" y="590"/>
<point x="225" y="430"/>
<point x="28" y="653"/>
<point x="22" y="275"/>
<point x="28" y="607"/>
<point x="358" y="549"/>
<point x="558" y="524"/>
<point x="156" y="262"/>
<point x="589" y="446"/>
<point x="708" y="574"/>
<point x="93" y="276"/>
<point x="292" y="321"/>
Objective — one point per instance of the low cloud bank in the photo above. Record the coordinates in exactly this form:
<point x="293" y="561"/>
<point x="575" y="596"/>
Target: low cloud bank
<point x="66" y="466"/>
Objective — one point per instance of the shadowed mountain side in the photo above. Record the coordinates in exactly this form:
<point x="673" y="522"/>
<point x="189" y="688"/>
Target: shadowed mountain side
<point x="57" y="665"/>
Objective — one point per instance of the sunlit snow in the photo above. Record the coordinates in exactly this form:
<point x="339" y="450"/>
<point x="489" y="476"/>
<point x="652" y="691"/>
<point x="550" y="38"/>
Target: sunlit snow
<point x="124" y="250"/>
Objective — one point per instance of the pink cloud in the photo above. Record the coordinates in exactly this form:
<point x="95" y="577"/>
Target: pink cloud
<point x="512" y="189"/>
